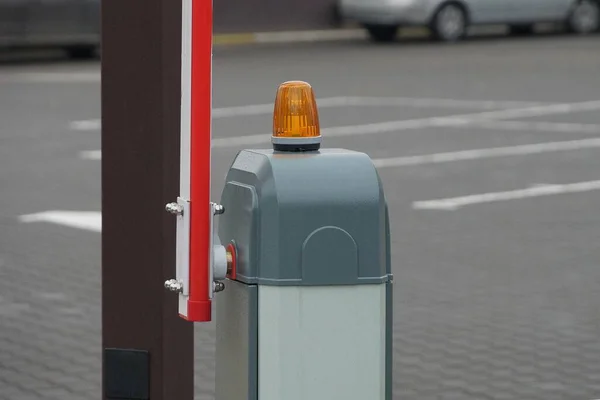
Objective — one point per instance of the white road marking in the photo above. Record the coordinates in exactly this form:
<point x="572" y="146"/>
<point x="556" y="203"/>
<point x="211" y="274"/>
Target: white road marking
<point x="91" y="221"/>
<point x="477" y="154"/>
<point x="537" y="111"/>
<point x="86" y="125"/>
<point x="419" y="123"/>
<point x="350" y="130"/>
<point x="529" y="126"/>
<point x="437" y="103"/>
<point x="330" y="102"/>
<point x="91" y="155"/>
<point x="486" y="119"/>
<point x="462" y="155"/>
<point x="454" y="203"/>
<point x="261" y="109"/>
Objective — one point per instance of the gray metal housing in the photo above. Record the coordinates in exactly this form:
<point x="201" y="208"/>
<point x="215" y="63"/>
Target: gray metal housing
<point x="321" y="218"/>
<point x="237" y="342"/>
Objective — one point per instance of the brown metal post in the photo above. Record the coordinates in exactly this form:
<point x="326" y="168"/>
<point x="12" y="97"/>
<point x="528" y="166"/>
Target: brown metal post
<point x="148" y="349"/>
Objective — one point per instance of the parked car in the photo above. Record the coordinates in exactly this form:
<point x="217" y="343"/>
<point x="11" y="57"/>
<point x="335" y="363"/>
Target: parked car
<point x="70" y="24"/>
<point x="449" y="20"/>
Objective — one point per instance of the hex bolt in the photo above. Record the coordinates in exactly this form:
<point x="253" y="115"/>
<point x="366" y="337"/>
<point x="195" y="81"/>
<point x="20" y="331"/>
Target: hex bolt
<point x="174" y="286"/>
<point x="218" y="209"/>
<point x="218" y="287"/>
<point x="174" y="208"/>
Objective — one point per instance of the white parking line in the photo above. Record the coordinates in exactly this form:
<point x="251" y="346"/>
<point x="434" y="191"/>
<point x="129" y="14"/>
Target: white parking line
<point x="330" y="102"/>
<point x="351" y="130"/>
<point x="419" y="123"/>
<point x="486" y="119"/>
<point x="525" y="126"/>
<point x="91" y="155"/>
<point x="261" y="109"/>
<point x="86" y="125"/>
<point x="537" y="111"/>
<point x="477" y="154"/>
<point x="91" y="221"/>
<point x="463" y="155"/>
<point x="454" y="203"/>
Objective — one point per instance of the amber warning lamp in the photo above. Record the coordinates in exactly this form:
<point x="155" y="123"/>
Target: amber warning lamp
<point x="296" y="118"/>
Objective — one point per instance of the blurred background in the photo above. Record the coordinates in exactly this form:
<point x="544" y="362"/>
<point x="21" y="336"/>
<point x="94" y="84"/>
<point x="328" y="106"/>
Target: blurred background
<point x="482" y="117"/>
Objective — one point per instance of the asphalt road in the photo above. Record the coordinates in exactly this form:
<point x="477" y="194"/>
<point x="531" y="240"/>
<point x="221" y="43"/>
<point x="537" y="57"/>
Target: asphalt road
<point x="494" y="209"/>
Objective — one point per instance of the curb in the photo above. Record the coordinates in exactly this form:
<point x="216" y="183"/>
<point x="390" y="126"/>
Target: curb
<point x="339" y="34"/>
<point x="303" y="36"/>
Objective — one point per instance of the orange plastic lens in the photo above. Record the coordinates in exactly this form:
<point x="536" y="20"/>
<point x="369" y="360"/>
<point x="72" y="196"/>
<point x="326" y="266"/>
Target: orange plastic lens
<point x="295" y="113"/>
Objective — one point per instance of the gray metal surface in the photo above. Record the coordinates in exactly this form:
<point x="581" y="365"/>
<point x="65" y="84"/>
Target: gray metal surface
<point x="321" y="217"/>
<point x="389" y="341"/>
<point x="237" y="342"/>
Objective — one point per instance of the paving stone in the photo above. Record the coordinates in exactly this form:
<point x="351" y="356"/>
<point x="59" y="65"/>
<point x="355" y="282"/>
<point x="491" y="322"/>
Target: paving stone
<point x="482" y="331"/>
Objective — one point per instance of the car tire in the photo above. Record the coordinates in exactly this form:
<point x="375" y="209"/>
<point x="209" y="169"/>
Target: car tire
<point x="83" y="52"/>
<point x="382" y="33"/>
<point x="450" y="23"/>
<point x="521" y="30"/>
<point x="584" y="17"/>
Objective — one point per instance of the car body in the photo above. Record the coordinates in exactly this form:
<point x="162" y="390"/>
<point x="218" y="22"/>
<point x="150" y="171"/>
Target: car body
<point x="449" y="19"/>
<point x="71" y="24"/>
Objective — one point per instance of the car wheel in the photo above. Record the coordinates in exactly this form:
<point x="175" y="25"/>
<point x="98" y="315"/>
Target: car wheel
<point x="521" y="30"/>
<point x="450" y="23"/>
<point x="584" y="17"/>
<point x="81" y="52"/>
<point x="382" y="33"/>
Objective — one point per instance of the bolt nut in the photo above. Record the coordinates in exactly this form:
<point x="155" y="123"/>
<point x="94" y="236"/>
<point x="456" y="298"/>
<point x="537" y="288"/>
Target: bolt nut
<point x="218" y="287"/>
<point x="174" y="208"/>
<point x="174" y="286"/>
<point x="218" y="209"/>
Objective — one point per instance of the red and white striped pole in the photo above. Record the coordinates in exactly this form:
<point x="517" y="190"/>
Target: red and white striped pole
<point x="197" y="255"/>
<point x="200" y="85"/>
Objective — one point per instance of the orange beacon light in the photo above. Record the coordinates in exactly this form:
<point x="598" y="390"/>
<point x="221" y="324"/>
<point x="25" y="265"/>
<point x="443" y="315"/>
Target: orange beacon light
<point x="296" y="118"/>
